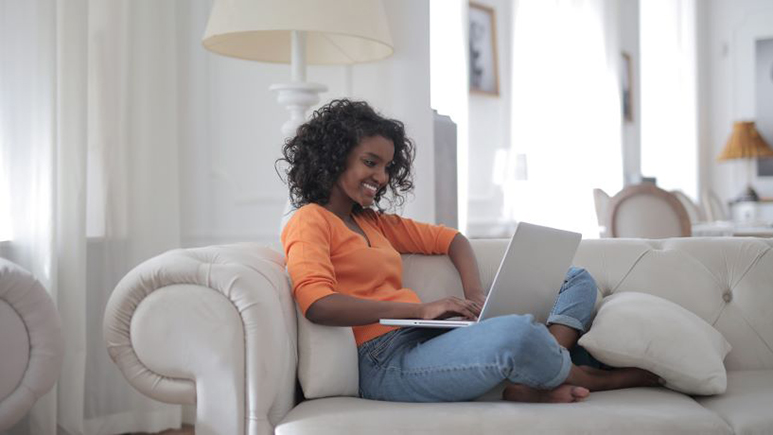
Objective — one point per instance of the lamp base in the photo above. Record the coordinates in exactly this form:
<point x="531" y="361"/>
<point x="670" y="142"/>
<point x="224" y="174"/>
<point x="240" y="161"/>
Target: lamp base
<point x="297" y="97"/>
<point x="748" y="195"/>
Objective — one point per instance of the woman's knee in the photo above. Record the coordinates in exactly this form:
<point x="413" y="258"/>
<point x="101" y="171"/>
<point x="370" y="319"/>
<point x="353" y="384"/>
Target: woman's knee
<point x="525" y="350"/>
<point x="579" y="274"/>
<point x="582" y="281"/>
<point x="518" y="334"/>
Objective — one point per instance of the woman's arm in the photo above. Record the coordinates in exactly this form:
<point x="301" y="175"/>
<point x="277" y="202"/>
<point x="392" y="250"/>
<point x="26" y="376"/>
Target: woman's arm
<point x="463" y="257"/>
<point x="343" y="310"/>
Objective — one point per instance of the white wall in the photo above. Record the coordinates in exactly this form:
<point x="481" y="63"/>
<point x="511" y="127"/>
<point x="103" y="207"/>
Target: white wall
<point x="490" y="117"/>
<point x="449" y="93"/>
<point x="726" y="73"/>
<point x="628" y="15"/>
<point x="231" y="136"/>
<point x="724" y="77"/>
<point x="399" y="86"/>
<point x="230" y="132"/>
<point x="489" y="126"/>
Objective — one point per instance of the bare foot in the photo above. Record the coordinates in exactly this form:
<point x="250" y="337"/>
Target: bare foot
<point x="565" y="393"/>
<point x="629" y="377"/>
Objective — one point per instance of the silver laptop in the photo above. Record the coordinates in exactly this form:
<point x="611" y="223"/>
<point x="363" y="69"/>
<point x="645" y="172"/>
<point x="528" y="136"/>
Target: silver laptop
<point x="536" y="261"/>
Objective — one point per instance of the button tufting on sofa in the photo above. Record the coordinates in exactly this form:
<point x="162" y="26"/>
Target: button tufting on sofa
<point x="251" y="389"/>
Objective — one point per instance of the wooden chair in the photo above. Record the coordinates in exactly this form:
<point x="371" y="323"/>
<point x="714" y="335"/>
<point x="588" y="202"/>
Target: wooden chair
<point x="713" y="207"/>
<point x="646" y="211"/>
<point x="695" y="212"/>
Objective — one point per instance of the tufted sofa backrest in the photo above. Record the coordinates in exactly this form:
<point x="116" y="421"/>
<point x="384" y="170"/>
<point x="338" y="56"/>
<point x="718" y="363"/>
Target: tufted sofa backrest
<point x="728" y="282"/>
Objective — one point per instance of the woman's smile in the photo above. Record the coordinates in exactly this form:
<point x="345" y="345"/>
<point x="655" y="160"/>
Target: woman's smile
<point x="370" y="188"/>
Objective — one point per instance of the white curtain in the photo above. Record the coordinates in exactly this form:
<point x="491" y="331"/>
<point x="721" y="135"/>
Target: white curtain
<point x="565" y="112"/>
<point x="89" y="183"/>
<point x="669" y="104"/>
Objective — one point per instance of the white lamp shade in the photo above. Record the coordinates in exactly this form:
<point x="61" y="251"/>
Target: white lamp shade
<point x="337" y="31"/>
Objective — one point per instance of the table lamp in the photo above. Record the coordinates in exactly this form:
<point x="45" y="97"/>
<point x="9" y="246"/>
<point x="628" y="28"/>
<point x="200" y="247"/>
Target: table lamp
<point x="746" y="143"/>
<point x="299" y="32"/>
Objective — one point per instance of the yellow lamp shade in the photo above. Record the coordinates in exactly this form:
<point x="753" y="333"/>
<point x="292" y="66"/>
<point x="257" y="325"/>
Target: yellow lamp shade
<point x="745" y="143"/>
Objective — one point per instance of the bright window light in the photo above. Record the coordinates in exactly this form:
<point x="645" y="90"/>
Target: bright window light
<point x="565" y="113"/>
<point x="669" y="138"/>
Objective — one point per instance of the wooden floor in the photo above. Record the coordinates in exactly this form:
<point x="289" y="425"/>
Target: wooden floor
<point x="185" y="430"/>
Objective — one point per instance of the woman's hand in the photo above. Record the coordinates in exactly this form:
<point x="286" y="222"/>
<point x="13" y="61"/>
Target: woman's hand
<point x="476" y="296"/>
<point x="450" y="307"/>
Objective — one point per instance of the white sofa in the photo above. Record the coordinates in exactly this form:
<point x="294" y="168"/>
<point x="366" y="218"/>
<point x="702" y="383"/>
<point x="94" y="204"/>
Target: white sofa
<point x="217" y="327"/>
<point x="31" y="343"/>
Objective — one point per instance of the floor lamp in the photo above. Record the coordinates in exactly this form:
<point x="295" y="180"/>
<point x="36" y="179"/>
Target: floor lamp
<point x="299" y="32"/>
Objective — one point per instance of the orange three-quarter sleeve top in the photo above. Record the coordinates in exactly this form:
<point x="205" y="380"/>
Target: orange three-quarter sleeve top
<point x="325" y="257"/>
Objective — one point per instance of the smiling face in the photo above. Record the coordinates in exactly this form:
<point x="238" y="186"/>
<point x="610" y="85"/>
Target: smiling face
<point x="365" y="175"/>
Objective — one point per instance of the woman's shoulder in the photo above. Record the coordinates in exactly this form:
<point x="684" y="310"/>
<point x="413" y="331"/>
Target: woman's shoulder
<point x="308" y="214"/>
<point x="311" y="209"/>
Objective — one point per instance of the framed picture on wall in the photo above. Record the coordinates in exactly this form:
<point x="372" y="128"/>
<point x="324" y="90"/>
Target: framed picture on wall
<point x="764" y="99"/>
<point x="626" y="87"/>
<point x="483" y="68"/>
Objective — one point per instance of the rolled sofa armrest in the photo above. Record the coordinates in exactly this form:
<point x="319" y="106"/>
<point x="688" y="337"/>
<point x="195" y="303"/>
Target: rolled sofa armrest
<point x="211" y="326"/>
<point x="31" y="343"/>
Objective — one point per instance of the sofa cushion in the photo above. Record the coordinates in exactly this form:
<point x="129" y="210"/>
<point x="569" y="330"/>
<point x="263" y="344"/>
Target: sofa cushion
<point x="327" y="356"/>
<point x="746" y="405"/>
<point x="630" y="411"/>
<point x="641" y="330"/>
<point x="327" y="360"/>
<point x="720" y="279"/>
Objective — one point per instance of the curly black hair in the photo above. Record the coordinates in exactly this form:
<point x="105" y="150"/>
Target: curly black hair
<point x="317" y="154"/>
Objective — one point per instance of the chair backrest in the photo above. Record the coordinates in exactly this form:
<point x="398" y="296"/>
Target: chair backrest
<point x="713" y="207"/>
<point x="601" y="201"/>
<point x="646" y="211"/>
<point x="695" y="213"/>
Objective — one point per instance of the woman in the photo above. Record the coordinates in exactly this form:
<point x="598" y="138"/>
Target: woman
<point x="343" y="258"/>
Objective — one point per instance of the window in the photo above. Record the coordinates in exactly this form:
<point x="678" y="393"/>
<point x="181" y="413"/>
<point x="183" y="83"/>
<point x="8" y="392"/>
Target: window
<point x="565" y="112"/>
<point x="669" y="131"/>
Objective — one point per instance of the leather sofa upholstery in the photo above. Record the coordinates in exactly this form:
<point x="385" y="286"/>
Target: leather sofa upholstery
<point x="31" y="344"/>
<point x="217" y="327"/>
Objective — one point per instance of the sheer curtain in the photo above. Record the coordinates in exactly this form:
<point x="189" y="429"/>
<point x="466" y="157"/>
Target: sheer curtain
<point x="565" y="111"/>
<point x="669" y="104"/>
<point x="89" y="181"/>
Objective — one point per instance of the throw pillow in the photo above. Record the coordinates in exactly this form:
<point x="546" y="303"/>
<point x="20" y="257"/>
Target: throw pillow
<point x="327" y="360"/>
<point x="641" y="330"/>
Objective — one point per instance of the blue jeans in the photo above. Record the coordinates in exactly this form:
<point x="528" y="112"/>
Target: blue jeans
<point x="437" y="365"/>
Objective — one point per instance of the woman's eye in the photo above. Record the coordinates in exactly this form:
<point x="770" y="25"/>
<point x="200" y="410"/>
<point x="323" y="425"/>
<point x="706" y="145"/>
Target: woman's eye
<point x="369" y="163"/>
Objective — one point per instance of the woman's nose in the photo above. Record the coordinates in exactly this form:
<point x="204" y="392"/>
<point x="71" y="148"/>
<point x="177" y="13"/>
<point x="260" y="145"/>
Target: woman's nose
<point x="382" y="176"/>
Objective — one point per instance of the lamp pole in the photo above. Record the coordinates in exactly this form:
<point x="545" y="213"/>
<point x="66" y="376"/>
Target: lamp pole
<point x="298" y="95"/>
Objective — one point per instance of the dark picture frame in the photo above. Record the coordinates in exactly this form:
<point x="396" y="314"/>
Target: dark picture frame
<point x="626" y="86"/>
<point x="763" y="90"/>
<point x="483" y="62"/>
